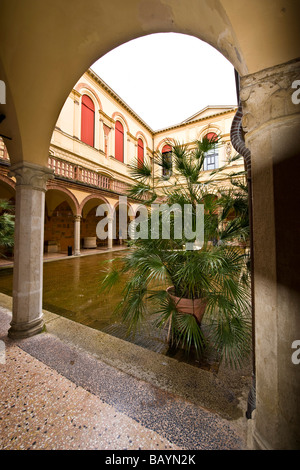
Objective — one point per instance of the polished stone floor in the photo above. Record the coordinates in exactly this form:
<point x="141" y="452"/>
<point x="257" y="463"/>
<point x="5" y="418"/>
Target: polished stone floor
<point x="6" y="262"/>
<point x="73" y="388"/>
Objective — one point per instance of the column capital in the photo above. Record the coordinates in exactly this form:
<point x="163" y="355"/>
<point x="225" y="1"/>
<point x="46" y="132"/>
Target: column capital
<point x="77" y="217"/>
<point x="267" y="96"/>
<point x="31" y="175"/>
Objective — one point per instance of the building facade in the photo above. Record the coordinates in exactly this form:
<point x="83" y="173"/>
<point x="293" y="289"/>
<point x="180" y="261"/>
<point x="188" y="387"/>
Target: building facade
<point x="96" y="139"/>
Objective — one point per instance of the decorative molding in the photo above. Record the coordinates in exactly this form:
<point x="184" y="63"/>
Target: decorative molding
<point x="31" y="175"/>
<point x="132" y="136"/>
<point x="80" y="89"/>
<point x="266" y="96"/>
<point x="237" y="138"/>
<point x="118" y="99"/>
<point x="141" y="135"/>
<point x="76" y="96"/>
<point x="105" y="118"/>
<point x="117" y="116"/>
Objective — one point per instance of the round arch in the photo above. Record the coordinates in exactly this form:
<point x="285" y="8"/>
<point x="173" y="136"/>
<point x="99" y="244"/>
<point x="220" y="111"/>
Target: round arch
<point x="31" y="117"/>
<point x="163" y="142"/>
<point x="7" y="189"/>
<point x="141" y="135"/>
<point x="90" y="217"/>
<point x="117" y="116"/>
<point x="85" y="89"/>
<point x="69" y="196"/>
<point x="117" y="204"/>
<point x="60" y="209"/>
<point x="92" y="197"/>
<point x="88" y="35"/>
<point x="210" y="129"/>
<point x="8" y="181"/>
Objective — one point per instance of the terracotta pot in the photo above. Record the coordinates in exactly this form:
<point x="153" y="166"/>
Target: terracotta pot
<point x="194" y="307"/>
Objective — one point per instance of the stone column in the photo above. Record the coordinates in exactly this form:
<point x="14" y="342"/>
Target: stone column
<point x="271" y="120"/>
<point x="110" y="232"/>
<point x="29" y="247"/>
<point x="77" y="220"/>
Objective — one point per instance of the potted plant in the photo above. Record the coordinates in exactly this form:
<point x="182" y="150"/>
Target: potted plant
<point x="177" y="285"/>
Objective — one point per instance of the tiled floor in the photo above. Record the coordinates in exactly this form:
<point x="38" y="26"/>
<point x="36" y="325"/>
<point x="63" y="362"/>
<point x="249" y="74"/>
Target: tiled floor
<point x="57" y="396"/>
<point x="41" y="409"/>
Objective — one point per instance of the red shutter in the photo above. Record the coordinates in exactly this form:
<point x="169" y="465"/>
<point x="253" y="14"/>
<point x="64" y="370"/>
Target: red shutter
<point x="166" y="148"/>
<point x="166" y="155"/>
<point x="119" y="142"/>
<point x="211" y="136"/>
<point x="87" y="120"/>
<point x="140" y="152"/>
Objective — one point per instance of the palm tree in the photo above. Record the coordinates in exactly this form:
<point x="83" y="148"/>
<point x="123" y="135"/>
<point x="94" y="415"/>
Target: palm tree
<point x="214" y="274"/>
<point x="7" y="225"/>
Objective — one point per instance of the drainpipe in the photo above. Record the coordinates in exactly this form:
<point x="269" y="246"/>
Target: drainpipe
<point x="238" y="143"/>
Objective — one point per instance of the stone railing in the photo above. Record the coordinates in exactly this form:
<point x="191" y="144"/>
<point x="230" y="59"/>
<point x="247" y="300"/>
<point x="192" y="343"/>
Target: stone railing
<point x="73" y="172"/>
<point x="76" y="173"/>
<point x="3" y="152"/>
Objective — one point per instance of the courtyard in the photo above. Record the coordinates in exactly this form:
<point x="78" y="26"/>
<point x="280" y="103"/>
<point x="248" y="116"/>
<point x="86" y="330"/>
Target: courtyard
<point x="66" y="143"/>
<point x="74" y="387"/>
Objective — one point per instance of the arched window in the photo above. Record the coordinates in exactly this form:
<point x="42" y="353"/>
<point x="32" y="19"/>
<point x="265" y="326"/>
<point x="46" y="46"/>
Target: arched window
<point x="87" y="120"/>
<point x="119" y="141"/>
<point x="167" y="161"/>
<point x="211" y="157"/>
<point x="140" y="152"/>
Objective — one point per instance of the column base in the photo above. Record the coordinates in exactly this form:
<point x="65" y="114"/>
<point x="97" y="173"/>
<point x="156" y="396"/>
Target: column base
<point x="258" y="443"/>
<point x="25" y="330"/>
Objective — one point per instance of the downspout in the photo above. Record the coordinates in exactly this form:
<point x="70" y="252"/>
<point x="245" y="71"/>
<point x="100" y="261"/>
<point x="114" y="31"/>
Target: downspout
<point x="238" y="143"/>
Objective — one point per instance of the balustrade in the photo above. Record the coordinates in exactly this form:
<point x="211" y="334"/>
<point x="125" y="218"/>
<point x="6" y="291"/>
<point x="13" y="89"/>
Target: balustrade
<point x="3" y="151"/>
<point x="75" y="172"/>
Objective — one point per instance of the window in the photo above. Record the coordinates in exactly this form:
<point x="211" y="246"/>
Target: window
<point x="167" y="161"/>
<point x="87" y="120"/>
<point x="140" y="153"/>
<point x="119" y="141"/>
<point x="211" y="157"/>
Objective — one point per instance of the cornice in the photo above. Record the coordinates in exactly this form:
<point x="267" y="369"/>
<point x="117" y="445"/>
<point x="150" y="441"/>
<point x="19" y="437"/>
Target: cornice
<point x="186" y="124"/>
<point x="104" y="115"/>
<point x="116" y="97"/>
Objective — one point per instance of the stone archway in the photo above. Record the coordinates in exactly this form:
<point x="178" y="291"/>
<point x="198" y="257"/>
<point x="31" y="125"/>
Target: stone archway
<point x="89" y="221"/>
<point x="268" y="65"/>
<point x="61" y="208"/>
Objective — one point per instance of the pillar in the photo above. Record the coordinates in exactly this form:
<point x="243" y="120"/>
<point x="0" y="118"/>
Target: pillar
<point x="27" y="318"/>
<point x="77" y="220"/>
<point x="271" y="120"/>
<point x="110" y="232"/>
